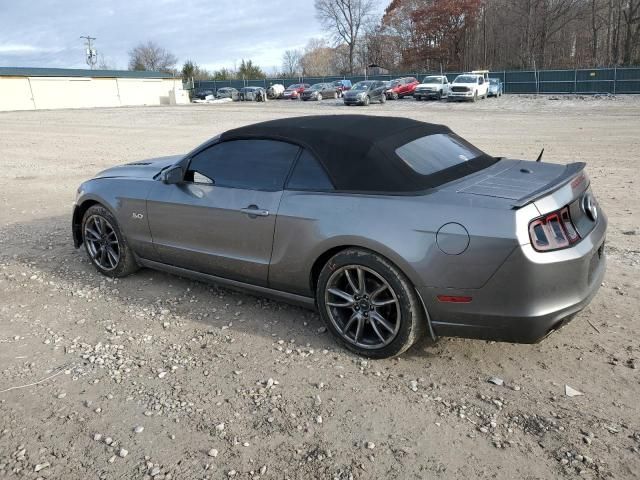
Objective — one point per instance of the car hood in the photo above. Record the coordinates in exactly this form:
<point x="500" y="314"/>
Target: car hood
<point x="144" y="169"/>
<point x="354" y="93"/>
<point x="427" y="85"/>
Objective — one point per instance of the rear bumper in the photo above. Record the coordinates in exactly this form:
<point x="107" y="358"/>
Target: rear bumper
<point x="531" y="295"/>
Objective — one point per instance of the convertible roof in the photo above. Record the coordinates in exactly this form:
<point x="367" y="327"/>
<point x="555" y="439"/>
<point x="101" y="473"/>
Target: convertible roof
<point x="358" y="151"/>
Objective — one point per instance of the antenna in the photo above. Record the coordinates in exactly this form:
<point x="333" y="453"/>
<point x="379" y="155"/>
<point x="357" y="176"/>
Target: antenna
<point x="540" y="156"/>
<point x="90" y="52"/>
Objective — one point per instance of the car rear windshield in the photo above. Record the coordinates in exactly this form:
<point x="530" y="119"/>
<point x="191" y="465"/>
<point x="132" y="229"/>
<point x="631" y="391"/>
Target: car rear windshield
<point x="434" y="153"/>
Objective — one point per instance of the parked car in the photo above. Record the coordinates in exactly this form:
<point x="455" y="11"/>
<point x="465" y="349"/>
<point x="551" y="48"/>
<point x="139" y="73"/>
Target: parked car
<point x="275" y="91"/>
<point x="495" y="87"/>
<point x="468" y="86"/>
<point x="295" y="91"/>
<point x="342" y="86"/>
<point x="319" y="91"/>
<point x="401" y="87"/>
<point x="203" y="94"/>
<point x="227" y="92"/>
<point x="393" y="228"/>
<point x="432" y="86"/>
<point x="365" y="92"/>
<point x="252" y="94"/>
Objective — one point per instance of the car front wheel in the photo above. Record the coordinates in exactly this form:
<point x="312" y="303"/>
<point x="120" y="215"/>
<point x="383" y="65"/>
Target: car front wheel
<point x="368" y="304"/>
<point x="105" y="245"/>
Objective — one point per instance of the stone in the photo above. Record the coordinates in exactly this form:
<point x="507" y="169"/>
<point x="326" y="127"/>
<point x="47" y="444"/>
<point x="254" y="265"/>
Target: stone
<point x="571" y="392"/>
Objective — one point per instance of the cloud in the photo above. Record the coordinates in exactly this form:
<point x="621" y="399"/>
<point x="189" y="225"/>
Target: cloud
<point x="214" y="34"/>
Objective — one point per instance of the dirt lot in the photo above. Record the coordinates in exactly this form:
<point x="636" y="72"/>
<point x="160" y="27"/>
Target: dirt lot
<point x="157" y="376"/>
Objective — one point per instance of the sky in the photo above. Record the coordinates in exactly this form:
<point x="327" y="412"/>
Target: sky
<point x="213" y="33"/>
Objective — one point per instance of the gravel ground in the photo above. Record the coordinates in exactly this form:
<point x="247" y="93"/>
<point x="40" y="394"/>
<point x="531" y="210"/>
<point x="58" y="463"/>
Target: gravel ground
<point x="154" y="376"/>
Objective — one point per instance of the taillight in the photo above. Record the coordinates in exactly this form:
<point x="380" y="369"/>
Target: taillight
<point x="553" y="231"/>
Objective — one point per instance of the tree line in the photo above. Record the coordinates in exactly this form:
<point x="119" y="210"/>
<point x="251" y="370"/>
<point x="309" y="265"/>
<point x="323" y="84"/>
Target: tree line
<point x="452" y="35"/>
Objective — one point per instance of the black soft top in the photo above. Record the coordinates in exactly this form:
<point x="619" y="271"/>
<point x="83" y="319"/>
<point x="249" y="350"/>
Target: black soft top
<point x="358" y="151"/>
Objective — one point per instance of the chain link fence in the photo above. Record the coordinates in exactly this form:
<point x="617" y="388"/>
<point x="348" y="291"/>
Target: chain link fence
<point x="580" y="81"/>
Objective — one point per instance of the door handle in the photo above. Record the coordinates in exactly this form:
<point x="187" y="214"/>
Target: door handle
<point x="253" y="211"/>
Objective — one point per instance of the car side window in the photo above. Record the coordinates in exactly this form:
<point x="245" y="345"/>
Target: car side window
<point x="247" y="164"/>
<point x="308" y="174"/>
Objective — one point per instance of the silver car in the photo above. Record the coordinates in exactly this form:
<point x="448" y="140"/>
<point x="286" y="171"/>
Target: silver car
<point x="390" y="227"/>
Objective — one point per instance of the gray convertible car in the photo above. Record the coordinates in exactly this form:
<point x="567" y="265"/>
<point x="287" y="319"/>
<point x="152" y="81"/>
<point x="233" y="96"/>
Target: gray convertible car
<point x="390" y="227"/>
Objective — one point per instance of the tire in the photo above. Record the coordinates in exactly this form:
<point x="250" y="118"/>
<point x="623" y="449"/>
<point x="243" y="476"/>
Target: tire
<point x="319" y="97"/>
<point x="403" y="320"/>
<point x="475" y="96"/>
<point x="98" y="220"/>
<point x="383" y="99"/>
<point x="418" y="99"/>
<point x="439" y="95"/>
<point x="335" y="95"/>
<point x="394" y="96"/>
<point x="366" y="101"/>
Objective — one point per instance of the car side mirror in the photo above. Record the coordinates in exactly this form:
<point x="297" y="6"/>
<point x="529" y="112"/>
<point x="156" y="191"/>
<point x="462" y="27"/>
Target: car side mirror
<point x="173" y="175"/>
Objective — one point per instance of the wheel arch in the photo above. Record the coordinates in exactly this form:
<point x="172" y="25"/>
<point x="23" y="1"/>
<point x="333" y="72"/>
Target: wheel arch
<point x="386" y="253"/>
<point x="78" y="214"/>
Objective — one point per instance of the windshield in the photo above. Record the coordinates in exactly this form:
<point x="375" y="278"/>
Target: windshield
<point x="432" y="80"/>
<point x="433" y="153"/>
<point x="293" y="87"/>
<point x="494" y="81"/>
<point x="361" y="86"/>
<point x="465" y="79"/>
<point x="317" y="86"/>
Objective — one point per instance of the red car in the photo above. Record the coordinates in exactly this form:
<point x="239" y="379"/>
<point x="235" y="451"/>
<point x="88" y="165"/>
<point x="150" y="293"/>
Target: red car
<point x="294" y="91"/>
<point x="402" y="87"/>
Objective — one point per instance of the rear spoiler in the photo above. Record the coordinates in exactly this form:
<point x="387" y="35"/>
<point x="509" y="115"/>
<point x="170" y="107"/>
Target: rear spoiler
<point x="572" y="170"/>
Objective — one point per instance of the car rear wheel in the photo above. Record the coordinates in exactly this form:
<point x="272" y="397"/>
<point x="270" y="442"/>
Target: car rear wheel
<point x="105" y="245"/>
<point x="368" y="304"/>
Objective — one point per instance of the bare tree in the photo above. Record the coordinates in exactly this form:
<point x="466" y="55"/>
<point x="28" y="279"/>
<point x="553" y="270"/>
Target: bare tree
<point x="291" y="63"/>
<point x="344" y="18"/>
<point x="317" y="58"/>
<point x="151" y="56"/>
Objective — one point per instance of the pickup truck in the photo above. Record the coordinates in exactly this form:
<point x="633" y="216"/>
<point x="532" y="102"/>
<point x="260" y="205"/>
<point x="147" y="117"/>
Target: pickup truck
<point x="468" y="86"/>
<point x="433" y="86"/>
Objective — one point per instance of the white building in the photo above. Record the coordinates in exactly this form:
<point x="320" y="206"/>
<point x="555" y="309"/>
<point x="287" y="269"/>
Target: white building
<point x="50" y="88"/>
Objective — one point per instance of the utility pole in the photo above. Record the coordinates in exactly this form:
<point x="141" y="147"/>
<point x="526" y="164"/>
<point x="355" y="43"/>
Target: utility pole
<point x="91" y="53"/>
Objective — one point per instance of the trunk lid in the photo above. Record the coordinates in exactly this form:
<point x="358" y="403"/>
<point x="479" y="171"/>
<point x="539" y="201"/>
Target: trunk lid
<point x="521" y="182"/>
